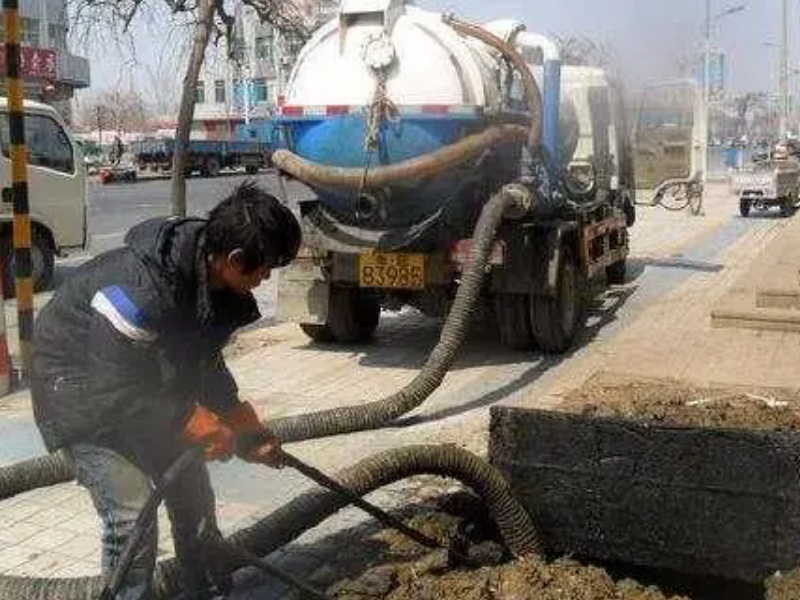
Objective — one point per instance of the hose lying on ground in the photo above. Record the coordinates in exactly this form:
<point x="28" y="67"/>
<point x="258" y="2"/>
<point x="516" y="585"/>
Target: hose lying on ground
<point x="311" y="508"/>
<point x="347" y="419"/>
<point x="41" y="471"/>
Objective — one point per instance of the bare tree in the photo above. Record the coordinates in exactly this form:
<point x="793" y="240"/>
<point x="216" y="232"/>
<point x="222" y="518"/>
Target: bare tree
<point x="161" y="86"/>
<point x="581" y="50"/>
<point x="114" y="110"/>
<point x="208" y="20"/>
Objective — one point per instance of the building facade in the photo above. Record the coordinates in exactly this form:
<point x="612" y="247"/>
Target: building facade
<point x="51" y="73"/>
<point x="249" y="87"/>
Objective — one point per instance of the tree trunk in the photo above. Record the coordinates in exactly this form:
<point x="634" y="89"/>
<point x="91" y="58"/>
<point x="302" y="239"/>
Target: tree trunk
<point x="202" y="31"/>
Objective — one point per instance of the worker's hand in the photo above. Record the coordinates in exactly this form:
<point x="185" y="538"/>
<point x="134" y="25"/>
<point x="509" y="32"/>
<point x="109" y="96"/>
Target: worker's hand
<point x="266" y="452"/>
<point x="255" y="443"/>
<point x="204" y="428"/>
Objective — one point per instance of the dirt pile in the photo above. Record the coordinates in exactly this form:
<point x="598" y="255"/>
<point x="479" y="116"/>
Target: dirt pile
<point x="408" y="572"/>
<point x="668" y="402"/>
<point x="529" y="579"/>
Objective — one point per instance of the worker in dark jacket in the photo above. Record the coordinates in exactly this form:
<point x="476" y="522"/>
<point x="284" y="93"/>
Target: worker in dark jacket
<point x="128" y="369"/>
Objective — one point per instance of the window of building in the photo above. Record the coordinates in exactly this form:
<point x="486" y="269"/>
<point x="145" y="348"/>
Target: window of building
<point x="260" y="90"/>
<point x="200" y="92"/>
<point x="29" y="34"/>
<point x="48" y="144"/>
<point x="264" y="47"/>
<point x="238" y="51"/>
<point x="294" y="43"/>
<point x="219" y="91"/>
<point x="58" y="35"/>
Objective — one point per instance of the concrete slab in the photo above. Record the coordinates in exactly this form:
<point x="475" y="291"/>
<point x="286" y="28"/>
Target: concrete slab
<point x="767" y="296"/>
<point x="721" y="502"/>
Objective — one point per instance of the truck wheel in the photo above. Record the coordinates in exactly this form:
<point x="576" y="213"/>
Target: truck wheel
<point x="744" y="207"/>
<point x="353" y="316"/>
<point x="211" y="166"/>
<point x="42" y="263"/>
<point x="615" y="272"/>
<point x="319" y="333"/>
<point x="251" y="169"/>
<point x="513" y="321"/>
<point x="556" y="322"/>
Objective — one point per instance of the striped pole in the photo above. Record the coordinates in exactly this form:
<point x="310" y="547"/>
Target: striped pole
<point x="19" y="185"/>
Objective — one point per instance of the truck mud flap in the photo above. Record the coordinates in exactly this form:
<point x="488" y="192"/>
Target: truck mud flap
<point x="694" y="500"/>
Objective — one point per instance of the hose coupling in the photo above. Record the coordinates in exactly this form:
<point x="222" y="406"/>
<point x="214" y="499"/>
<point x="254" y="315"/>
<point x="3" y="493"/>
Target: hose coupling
<point x="522" y="201"/>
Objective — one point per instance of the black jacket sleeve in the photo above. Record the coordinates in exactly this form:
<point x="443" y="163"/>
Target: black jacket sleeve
<point x="220" y="392"/>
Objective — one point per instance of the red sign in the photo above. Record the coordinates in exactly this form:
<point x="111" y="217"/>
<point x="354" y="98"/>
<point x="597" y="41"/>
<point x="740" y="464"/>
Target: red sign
<point x="36" y="63"/>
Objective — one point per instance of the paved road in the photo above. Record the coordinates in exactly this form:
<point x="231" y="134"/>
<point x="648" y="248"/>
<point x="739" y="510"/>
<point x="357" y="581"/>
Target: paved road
<point x="51" y="531"/>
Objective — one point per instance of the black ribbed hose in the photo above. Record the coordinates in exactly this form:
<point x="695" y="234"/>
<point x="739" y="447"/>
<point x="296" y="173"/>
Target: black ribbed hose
<point x="311" y="508"/>
<point x="347" y="419"/>
<point x="41" y="471"/>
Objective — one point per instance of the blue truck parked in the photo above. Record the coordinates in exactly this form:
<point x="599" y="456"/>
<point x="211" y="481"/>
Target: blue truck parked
<point x="207" y="157"/>
<point x="268" y="132"/>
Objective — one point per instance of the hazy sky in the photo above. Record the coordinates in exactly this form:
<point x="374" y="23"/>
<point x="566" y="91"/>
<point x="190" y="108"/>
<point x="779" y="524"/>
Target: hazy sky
<point x="648" y="35"/>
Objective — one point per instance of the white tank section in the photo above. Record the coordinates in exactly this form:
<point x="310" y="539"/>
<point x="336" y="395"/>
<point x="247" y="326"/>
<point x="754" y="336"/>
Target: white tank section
<point x="429" y="62"/>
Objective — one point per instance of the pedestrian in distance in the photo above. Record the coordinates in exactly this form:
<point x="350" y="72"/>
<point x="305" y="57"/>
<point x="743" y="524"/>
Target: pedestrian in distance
<point x="128" y="372"/>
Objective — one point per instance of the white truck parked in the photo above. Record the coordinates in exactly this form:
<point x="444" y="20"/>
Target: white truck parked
<point x="56" y="190"/>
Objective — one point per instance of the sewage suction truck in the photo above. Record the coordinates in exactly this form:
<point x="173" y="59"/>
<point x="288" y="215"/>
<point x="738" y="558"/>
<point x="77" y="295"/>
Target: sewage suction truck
<point x="404" y="123"/>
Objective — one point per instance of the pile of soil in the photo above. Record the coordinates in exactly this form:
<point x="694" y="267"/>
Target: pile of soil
<point x="669" y="402"/>
<point x="408" y="572"/>
<point x="528" y="579"/>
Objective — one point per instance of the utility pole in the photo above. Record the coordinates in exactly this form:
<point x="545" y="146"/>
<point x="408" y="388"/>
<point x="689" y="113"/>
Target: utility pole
<point x="784" y="72"/>
<point x="706" y="92"/>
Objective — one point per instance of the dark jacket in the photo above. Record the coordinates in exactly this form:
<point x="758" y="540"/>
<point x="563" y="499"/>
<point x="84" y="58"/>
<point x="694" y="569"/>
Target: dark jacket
<point x="132" y="340"/>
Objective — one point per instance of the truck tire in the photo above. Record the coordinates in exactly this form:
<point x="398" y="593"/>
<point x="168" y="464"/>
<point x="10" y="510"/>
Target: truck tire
<point x="321" y="334"/>
<point x="514" y="321"/>
<point x="353" y="316"/>
<point x="556" y="321"/>
<point x="744" y="207"/>
<point x="251" y="169"/>
<point x="42" y="258"/>
<point x="615" y="272"/>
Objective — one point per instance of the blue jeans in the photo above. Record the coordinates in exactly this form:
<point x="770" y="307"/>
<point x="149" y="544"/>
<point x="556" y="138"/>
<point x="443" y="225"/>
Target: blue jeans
<point x="119" y="490"/>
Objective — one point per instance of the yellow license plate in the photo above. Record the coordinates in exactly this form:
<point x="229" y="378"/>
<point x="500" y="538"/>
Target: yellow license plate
<point x="391" y="270"/>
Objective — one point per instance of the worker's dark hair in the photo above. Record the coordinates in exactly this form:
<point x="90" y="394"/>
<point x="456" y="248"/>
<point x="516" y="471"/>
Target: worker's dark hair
<point x="251" y="219"/>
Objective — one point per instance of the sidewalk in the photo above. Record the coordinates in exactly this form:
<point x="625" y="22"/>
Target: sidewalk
<point x="657" y="324"/>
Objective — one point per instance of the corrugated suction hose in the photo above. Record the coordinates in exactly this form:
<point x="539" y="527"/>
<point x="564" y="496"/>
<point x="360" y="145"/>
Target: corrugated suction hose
<point x="347" y="419"/>
<point x="311" y="508"/>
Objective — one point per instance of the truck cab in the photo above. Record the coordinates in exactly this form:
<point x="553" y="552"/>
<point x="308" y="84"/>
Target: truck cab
<point x="56" y="190"/>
